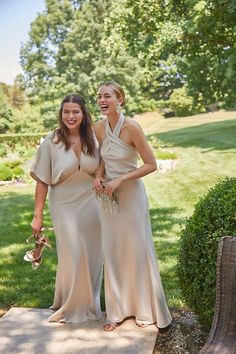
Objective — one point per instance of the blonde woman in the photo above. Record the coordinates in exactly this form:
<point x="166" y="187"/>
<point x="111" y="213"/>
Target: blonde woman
<point x="132" y="281"/>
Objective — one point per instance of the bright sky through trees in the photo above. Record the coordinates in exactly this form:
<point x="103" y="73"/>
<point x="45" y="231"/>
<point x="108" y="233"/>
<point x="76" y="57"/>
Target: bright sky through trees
<point x="16" y="17"/>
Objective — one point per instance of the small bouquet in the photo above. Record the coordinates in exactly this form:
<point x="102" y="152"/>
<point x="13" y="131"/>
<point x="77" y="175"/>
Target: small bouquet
<point x="107" y="203"/>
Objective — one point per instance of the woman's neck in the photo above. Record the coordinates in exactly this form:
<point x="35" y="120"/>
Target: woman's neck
<point x="74" y="133"/>
<point x="113" y="119"/>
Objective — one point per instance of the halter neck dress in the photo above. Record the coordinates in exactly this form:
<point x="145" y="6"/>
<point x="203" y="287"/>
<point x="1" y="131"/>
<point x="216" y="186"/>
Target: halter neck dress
<point x="132" y="281"/>
<point x="75" y="217"/>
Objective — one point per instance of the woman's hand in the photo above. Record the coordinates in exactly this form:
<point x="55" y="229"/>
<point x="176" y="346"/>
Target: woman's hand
<point x="37" y="224"/>
<point x="110" y="187"/>
<point x="98" y="186"/>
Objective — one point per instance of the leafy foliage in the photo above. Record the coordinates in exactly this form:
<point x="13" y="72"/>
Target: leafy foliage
<point x="5" y="114"/>
<point x="209" y="48"/>
<point x="154" y="48"/>
<point x="67" y="52"/>
<point x="5" y="173"/>
<point x="16" y="114"/>
<point x="28" y="119"/>
<point x="214" y="216"/>
<point x="184" y="105"/>
<point x="10" y="170"/>
<point x="21" y="144"/>
<point x="186" y="41"/>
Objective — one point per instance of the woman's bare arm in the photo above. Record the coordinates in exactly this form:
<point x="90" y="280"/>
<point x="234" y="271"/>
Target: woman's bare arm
<point x="41" y="191"/>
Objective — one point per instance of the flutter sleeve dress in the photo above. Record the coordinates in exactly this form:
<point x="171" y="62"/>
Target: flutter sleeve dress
<point x="75" y="218"/>
<point x="132" y="281"/>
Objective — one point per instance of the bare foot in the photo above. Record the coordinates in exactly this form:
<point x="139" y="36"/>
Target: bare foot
<point x="110" y="326"/>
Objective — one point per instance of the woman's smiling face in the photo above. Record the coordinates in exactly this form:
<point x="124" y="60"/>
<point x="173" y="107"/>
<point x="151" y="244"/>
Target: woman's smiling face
<point x="72" y="115"/>
<point x="107" y="100"/>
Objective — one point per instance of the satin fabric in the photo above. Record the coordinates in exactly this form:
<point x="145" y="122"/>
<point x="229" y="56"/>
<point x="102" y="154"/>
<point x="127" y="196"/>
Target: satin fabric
<point x="75" y="218"/>
<point x="132" y="280"/>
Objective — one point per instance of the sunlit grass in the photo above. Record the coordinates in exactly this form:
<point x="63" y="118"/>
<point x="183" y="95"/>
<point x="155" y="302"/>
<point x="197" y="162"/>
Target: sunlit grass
<point x="19" y="284"/>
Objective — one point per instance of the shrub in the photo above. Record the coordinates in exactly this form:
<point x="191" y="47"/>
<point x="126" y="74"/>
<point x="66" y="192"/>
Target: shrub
<point x="214" y="216"/>
<point x="12" y="164"/>
<point x="182" y="104"/>
<point x="160" y="154"/>
<point x="10" y="170"/>
<point x="18" y="172"/>
<point x="3" y="150"/>
<point x="19" y="144"/>
<point x="165" y="155"/>
<point x="5" y="173"/>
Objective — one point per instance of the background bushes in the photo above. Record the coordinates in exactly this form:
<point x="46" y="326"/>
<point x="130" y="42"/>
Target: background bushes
<point x="20" y="145"/>
<point x="15" y="151"/>
<point x="16" y="142"/>
<point x="182" y="104"/>
<point x="11" y="170"/>
<point x="214" y="216"/>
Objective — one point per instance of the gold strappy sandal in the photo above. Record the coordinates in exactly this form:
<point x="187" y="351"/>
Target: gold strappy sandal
<point x="110" y="326"/>
<point x="35" y="255"/>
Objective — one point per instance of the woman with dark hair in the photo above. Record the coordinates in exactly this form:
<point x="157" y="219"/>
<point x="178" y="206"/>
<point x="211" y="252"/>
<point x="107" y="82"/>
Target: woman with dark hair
<point x="132" y="281"/>
<point x="65" y="165"/>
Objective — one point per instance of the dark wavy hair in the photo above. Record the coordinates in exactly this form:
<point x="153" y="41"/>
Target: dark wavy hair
<point x="85" y="129"/>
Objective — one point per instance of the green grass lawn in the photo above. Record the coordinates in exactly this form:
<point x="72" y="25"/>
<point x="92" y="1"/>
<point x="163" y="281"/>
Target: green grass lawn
<point x="205" y="146"/>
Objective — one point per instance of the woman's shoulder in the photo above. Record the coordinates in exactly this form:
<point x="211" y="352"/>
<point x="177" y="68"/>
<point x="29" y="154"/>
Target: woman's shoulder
<point x="99" y="126"/>
<point x="132" y="125"/>
<point x="49" y="139"/>
<point x="100" y="123"/>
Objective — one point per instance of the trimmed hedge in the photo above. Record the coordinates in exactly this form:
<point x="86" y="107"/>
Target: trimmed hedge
<point x="214" y="216"/>
<point x="28" y="140"/>
<point x="19" y="143"/>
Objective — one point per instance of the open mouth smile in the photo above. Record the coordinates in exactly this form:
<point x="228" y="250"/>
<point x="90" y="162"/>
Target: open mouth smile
<point x="71" y="121"/>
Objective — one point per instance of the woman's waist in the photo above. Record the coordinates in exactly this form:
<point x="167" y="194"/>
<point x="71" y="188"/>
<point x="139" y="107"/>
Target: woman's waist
<point x="117" y="170"/>
<point x="70" y="194"/>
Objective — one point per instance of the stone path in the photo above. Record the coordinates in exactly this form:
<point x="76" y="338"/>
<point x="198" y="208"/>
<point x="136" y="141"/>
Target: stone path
<point x="27" y="331"/>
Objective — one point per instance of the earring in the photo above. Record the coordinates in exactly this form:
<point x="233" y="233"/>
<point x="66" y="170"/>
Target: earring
<point x="118" y="108"/>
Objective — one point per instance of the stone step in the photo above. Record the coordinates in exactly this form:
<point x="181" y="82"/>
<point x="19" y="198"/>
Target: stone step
<point x="27" y="331"/>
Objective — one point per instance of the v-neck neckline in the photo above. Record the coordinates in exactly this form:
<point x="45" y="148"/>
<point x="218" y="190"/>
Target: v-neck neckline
<point x="77" y="158"/>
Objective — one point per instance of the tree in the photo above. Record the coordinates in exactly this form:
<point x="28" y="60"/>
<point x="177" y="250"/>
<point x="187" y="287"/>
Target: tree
<point x="67" y="51"/>
<point x="151" y="30"/>
<point x="5" y="113"/>
<point x="209" y="40"/>
<point x="188" y="42"/>
<point x="18" y="96"/>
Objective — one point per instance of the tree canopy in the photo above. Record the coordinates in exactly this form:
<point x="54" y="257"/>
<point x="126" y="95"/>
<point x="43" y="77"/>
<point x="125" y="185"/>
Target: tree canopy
<point x="157" y="49"/>
<point x="188" y="42"/>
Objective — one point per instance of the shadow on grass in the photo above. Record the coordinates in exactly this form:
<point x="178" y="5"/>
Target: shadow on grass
<point x="211" y="136"/>
<point x="163" y="220"/>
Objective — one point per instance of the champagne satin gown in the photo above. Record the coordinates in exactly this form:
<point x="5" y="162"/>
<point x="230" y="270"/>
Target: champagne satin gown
<point x="75" y="218"/>
<point x="132" y="281"/>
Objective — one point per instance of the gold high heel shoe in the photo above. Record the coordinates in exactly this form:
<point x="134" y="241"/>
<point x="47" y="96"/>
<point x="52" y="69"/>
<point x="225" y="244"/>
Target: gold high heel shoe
<point x="35" y="264"/>
<point x="35" y="255"/>
<point x="40" y="242"/>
